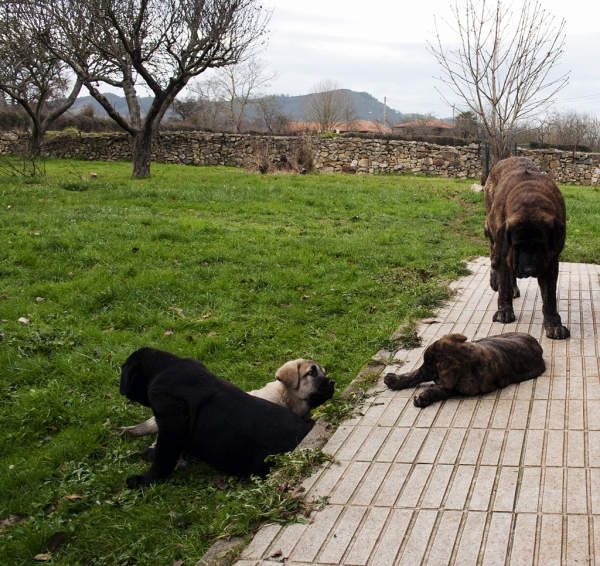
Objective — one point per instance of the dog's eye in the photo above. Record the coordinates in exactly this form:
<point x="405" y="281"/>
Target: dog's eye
<point x="313" y="371"/>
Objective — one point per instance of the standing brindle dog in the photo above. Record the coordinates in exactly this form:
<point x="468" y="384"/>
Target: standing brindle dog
<point x="526" y="225"/>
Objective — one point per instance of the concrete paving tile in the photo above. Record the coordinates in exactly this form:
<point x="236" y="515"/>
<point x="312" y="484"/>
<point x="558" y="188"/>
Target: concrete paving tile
<point x="492" y="447"/>
<point x="595" y="491"/>
<point x="552" y="498"/>
<point x="593" y="414"/>
<point x="371" y="484"/>
<point x="506" y="489"/>
<point x="483" y="414"/>
<point x="353" y="442"/>
<point x="328" y="481"/>
<point x="392" y="445"/>
<point x="539" y="409"/>
<point x="338" y="438"/>
<point x="434" y="494"/>
<point x="392" y="485"/>
<point x="497" y="541"/>
<point x="551" y="541"/>
<point x="392" y="412"/>
<point x="502" y="414"/>
<point x="470" y="541"/>
<point x="522" y="553"/>
<point x="454" y="440"/>
<point x="534" y="448"/>
<point x="557" y="414"/>
<point x="446" y="413"/>
<point x="373" y="443"/>
<point x="460" y="487"/>
<point x="555" y="448"/>
<point x="593" y="452"/>
<point x="578" y="547"/>
<point x="575" y="415"/>
<point x="428" y="415"/>
<point x="419" y="538"/>
<point x="445" y="537"/>
<point x="342" y="535"/>
<point x="480" y="499"/>
<point x="464" y="413"/>
<point x="261" y="542"/>
<point x="349" y="482"/>
<point x="472" y="446"/>
<point x="542" y="386"/>
<point x="576" y="491"/>
<point x="525" y="390"/>
<point x="309" y="545"/>
<point x="412" y="445"/>
<point x="575" y="449"/>
<point x="392" y="538"/>
<point x="414" y="486"/>
<point x="368" y="536"/>
<point x="431" y="446"/>
<point x="290" y="535"/>
<point x="513" y="448"/>
<point x="529" y="491"/>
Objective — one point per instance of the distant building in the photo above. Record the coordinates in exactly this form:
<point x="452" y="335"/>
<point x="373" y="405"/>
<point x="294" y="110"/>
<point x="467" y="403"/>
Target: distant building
<point x="355" y="126"/>
<point x="424" y="128"/>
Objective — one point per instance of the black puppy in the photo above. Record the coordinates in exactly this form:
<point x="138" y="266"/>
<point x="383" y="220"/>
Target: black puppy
<point x="205" y="416"/>
<point x="458" y="367"/>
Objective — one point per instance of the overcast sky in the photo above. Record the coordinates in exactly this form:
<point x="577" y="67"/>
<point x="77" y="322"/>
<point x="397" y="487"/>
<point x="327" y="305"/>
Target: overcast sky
<point x="379" y="46"/>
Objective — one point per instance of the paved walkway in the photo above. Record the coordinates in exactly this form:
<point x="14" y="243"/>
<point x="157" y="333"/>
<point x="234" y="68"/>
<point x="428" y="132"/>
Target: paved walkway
<point x="512" y="477"/>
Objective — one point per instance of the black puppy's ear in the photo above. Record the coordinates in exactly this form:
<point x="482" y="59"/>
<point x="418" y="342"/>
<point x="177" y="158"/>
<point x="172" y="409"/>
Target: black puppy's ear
<point x="134" y="381"/>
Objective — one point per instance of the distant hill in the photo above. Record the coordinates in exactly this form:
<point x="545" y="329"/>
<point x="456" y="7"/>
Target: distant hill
<point x="367" y="106"/>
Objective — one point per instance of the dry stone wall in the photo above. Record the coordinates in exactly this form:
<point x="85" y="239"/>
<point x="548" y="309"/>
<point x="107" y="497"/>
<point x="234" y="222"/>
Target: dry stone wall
<point x="331" y="155"/>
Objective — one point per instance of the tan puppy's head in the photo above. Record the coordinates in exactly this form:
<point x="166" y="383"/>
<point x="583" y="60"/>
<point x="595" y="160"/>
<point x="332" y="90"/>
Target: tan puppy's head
<point x="306" y="381"/>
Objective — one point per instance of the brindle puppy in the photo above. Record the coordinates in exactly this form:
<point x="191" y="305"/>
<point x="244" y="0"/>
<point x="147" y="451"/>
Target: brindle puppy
<point x="526" y="225"/>
<point x="458" y="367"/>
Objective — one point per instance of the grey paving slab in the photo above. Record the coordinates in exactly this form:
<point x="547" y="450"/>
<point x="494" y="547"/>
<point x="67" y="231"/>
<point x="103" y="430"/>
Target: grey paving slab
<point x="508" y="478"/>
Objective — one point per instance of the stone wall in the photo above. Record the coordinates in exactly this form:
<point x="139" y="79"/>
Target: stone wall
<point x="331" y="155"/>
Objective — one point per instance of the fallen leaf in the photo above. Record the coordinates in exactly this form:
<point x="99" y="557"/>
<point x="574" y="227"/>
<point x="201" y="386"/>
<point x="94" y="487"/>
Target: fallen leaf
<point x="73" y="497"/>
<point x="257" y="363"/>
<point x="182" y="546"/>
<point x="134" y="250"/>
<point x="2" y="336"/>
<point x="301" y="288"/>
<point x="284" y="486"/>
<point x="332" y="334"/>
<point x="108" y="396"/>
<point x="298" y="491"/>
<point x="372" y="308"/>
<point x="23" y="320"/>
<point x="52" y="427"/>
<point x="49" y="509"/>
<point x="207" y="315"/>
<point x="43" y="557"/>
<point x="212" y="334"/>
<point x="10" y="521"/>
<point x="177" y="563"/>
<point x="178" y="311"/>
<point x="93" y="175"/>
<point x="96" y="353"/>
<point x="70" y="274"/>
<point x="286" y="306"/>
<point x="111" y="329"/>
<point x="56" y="541"/>
<point x="169" y="332"/>
<point x="36" y="233"/>
<point x="277" y="554"/>
<point x="304" y="297"/>
<point x="38" y="299"/>
<point x="95" y="317"/>
<point x="220" y="482"/>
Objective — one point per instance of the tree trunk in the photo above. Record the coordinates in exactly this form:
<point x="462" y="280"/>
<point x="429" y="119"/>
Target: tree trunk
<point x="35" y="145"/>
<point x="142" y="153"/>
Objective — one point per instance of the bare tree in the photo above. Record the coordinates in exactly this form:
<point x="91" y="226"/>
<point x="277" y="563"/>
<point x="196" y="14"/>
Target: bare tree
<point x="502" y="70"/>
<point x="153" y="45"/>
<point x="238" y="85"/>
<point x="184" y="108"/>
<point x="271" y="112"/>
<point x="465" y="125"/>
<point x="329" y="106"/>
<point x="31" y="75"/>
<point x="573" y="129"/>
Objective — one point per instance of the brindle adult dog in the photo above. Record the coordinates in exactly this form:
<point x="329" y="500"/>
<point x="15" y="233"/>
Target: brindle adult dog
<point x="458" y="367"/>
<point x="207" y="417"/>
<point x="526" y="225"/>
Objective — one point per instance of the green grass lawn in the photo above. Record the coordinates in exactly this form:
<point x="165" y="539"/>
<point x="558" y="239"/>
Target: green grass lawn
<point x="243" y="272"/>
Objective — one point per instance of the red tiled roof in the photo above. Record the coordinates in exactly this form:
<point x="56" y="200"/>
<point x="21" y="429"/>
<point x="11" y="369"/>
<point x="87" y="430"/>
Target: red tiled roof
<point x="425" y="124"/>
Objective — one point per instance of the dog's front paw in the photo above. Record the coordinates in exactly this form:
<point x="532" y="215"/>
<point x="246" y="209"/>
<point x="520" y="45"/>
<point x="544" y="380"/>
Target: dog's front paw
<point x="420" y="401"/>
<point x="136" y="481"/>
<point x="559" y="332"/>
<point x="393" y="381"/>
<point x="505" y="316"/>
<point x="148" y="455"/>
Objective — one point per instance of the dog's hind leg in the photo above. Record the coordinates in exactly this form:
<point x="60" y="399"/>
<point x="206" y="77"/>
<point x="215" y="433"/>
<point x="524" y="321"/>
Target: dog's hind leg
<point x="403" y="381"/>
<point x="431" y="395"/>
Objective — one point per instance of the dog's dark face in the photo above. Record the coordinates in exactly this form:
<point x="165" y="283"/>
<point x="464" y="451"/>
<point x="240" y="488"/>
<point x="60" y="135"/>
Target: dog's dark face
<point x="441" y="361"/>
<point x="140" y="369"/>
<point x="307" y="380"/>
<point x="529" y="246"/>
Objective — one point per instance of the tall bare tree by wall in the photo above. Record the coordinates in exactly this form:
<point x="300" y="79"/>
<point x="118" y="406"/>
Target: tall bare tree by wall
<point x="30" y="74"/>
<point x="329" y="106"/>
<point x="151" y="45"/>
<point x="503" y="68"/>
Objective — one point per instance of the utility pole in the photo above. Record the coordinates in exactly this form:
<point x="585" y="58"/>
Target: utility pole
<point x="384" y="111"/>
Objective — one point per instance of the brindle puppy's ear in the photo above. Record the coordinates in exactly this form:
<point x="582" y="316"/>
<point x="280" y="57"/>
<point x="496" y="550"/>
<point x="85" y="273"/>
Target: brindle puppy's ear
<point x="456" y="337"/>
<point x="557" y="233"/>
<point x="449" y="374"/>
<point x="289" y="374"/>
